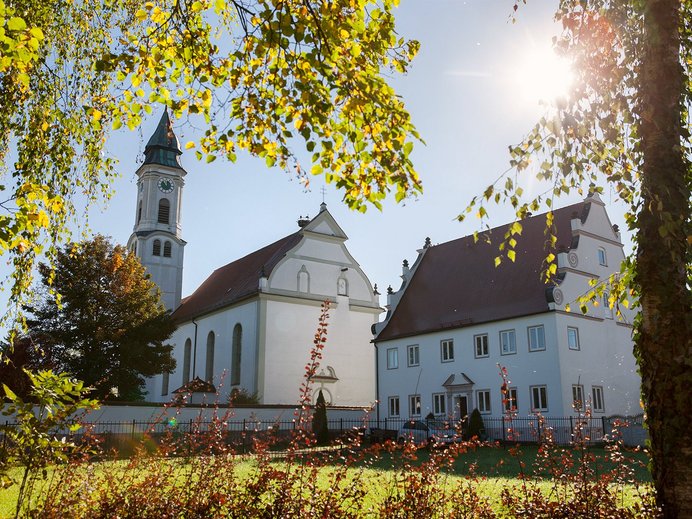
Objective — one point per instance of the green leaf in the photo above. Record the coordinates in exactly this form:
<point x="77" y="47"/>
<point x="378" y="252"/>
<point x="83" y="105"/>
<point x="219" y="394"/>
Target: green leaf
<point x="9" y="393"/>
<point x="16" y="24"/>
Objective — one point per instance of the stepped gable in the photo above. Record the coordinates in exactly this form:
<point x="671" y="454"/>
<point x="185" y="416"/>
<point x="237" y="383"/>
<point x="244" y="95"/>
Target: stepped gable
<point x="236" y="281"/>
<point x="457" y="283"/>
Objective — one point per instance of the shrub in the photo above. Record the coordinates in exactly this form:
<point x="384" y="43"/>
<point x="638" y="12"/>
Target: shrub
<point x="320" y="426"/>
<point x="242" y="397"/>
<point x="476" y="427"/>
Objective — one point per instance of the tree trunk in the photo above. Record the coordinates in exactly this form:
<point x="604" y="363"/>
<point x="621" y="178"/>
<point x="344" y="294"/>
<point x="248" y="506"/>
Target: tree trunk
<point x="663" y="343"/>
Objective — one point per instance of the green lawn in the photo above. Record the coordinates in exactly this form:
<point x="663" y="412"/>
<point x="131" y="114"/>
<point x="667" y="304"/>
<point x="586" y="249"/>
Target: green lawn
<point x="494" y="468"/>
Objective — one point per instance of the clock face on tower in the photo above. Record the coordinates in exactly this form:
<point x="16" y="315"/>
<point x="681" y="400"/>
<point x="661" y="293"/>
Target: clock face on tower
<point x="165" y="185"/>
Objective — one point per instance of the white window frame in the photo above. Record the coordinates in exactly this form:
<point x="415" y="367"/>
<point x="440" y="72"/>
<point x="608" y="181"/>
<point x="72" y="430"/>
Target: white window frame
<point x="439" y="404"/>
<point x="484" y="344"/>
<point x="447" y="350"/>
<point x="597" y="402"/>
<point x="393" y="405"/>
<point x="392" y="358"/>
<point x="578" y="397"/>
<point x="537" y="332"/>
<point x="483" y="402"/>
<point x="510" y="334"/>
<point x="602" y="257"/>
<point x="576" y="346"/>
<point x="414" y="405"/>
<point x="412" y="355"/>
<point x="511" y="399"/>
<point x="537" y="403"/>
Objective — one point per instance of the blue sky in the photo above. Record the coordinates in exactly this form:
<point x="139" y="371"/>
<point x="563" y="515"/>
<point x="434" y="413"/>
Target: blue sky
<point x="469" y="101"/>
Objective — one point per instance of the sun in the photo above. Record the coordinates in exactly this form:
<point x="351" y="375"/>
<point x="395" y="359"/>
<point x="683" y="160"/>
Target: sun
<point x="540" y="76"/>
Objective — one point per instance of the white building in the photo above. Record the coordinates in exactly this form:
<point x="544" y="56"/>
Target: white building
<point x="252" y="323"/>
<point x="457" y="318"/>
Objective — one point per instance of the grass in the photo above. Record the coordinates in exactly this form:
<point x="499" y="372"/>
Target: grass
<point x="492" y="468"/>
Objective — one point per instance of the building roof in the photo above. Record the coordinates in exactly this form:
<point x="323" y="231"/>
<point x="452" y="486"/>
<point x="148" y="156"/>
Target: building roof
<point x="236" y="281"/>
<point x="163" y="147"/>
<point x="196" y="385"/>
<point x="457" y="284"/>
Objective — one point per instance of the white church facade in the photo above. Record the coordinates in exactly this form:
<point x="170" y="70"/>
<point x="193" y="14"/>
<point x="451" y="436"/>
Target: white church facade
<point x="251" y="324"/>
<point x="457" y="319"/>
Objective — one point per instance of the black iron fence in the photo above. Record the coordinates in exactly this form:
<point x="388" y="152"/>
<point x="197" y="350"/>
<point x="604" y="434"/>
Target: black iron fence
<point x="242" y="434"/>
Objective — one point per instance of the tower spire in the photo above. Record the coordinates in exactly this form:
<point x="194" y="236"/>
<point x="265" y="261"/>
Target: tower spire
<point x="163" y="147"/>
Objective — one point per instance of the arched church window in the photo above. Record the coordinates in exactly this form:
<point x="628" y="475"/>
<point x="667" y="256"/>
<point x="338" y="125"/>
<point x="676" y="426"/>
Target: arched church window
<point x="209" y="374"/>
<point x="164" y="383"/>
<point x="187" y="357"/>
<point x="164" y="211"/>
<point x="156" y="249"/>
<point x="139" y="212"/>
<point x="236" y="353"/>
<point x="167" y="249"/>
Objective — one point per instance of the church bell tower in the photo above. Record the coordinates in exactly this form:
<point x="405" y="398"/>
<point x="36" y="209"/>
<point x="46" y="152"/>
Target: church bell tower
<point x="157" y="235"/>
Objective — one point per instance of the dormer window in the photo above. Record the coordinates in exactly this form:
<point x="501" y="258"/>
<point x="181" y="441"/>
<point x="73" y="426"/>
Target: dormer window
<point x="167" y="249"/>
<point x="156" y="249"/>
<point x="164" y="211"/>
<point x="602" y="258"/>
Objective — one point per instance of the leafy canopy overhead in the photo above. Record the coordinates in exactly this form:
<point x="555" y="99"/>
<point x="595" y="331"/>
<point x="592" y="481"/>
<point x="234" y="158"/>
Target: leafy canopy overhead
<point x="265" y="76"/>
<point x="107" y="326"/>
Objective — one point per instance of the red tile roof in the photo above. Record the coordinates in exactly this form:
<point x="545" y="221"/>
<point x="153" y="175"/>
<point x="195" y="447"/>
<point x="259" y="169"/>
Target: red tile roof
<point x="235" y="281"/>
<point x="457" y="284"/>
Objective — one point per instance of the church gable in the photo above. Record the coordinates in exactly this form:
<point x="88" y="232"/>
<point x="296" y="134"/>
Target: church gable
<point x="324" y="223"/>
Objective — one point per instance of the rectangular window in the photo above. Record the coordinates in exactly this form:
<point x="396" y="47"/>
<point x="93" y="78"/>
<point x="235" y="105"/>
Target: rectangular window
<point x="483" y="398"/>
<point x="508" y="342"/>
<point x="413" y="355"/>
<point x="539" y="398"/>
<point x="414" y="405"/>
<point x="393" y="406"/>
<point x="511" y="399"/>
<point x="536" y="338"/>
<point x="578" y="397"/>
<point x="439" y="403"/>
<point x="392" y="358"/>
<point x="597" y="399"/>
<point x="447" y="347"/>
<point x="602" y="258"/>
<point x="573" y="338"/>
<point x="481" y="345"/>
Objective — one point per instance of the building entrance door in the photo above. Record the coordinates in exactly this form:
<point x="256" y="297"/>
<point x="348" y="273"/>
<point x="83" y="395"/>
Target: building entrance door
<point x="462" y="407"/>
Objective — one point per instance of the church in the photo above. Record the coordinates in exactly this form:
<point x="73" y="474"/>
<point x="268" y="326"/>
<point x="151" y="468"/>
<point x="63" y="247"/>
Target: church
<point x="250" y="325"/>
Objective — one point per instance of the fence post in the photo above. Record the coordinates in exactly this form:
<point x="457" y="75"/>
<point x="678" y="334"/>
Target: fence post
<point x="571" y="428"/>
<point x="133" y="429"/>
<point x="385" y="423"/>
<point x="341" y="424"/>
<point x="504" y="431"/>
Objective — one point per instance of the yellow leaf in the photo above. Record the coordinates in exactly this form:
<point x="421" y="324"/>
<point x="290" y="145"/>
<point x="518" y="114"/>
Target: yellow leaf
<point x="189" y="145"/>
